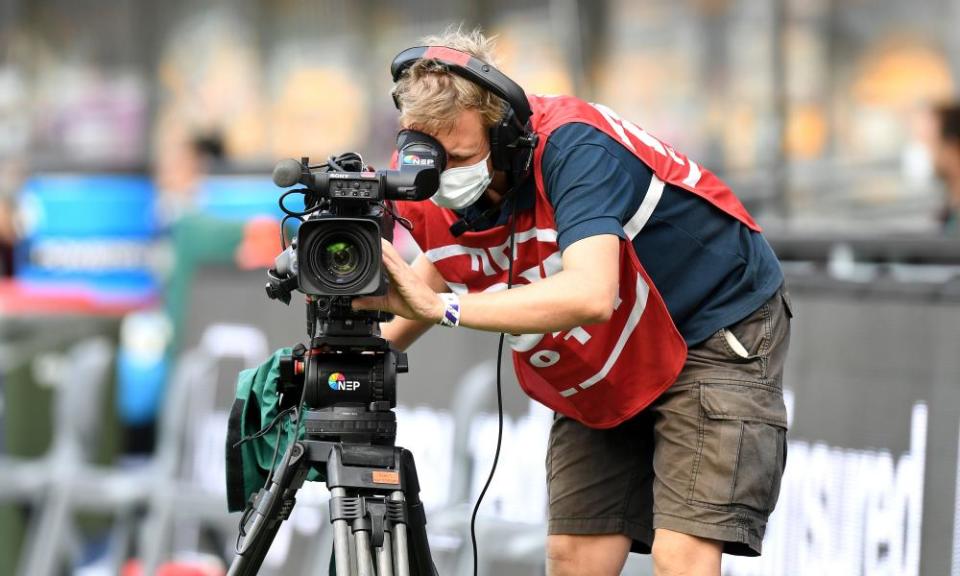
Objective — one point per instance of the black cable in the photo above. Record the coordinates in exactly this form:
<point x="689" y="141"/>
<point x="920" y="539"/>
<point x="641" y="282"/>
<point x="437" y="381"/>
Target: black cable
<point x="297" y="410"/>
<point x="303" y="399"/>
<point x="346" y="162"/>
<point x="276" y="450"/>
<point x="296" y="213"/>
<point x="263" y="430"/>
<point x="496" y="454"/>
<point x="283" y="235"/>
<point x="388" y="207"/>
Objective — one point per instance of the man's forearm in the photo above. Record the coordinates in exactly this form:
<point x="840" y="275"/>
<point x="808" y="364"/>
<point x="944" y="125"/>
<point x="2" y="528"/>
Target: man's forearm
<point x="559" y="302"/>
<point x="401" y="332"/>
<point x="583" y="292"/>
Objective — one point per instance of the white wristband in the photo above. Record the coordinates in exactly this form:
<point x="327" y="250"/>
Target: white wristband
<point x="451" y="312"/>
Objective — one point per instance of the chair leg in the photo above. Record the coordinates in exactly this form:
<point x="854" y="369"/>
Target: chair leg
<point x="46" y="537"/>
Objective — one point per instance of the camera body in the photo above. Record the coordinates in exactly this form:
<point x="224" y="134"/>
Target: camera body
<point x="337" y="250"/>
<point x="347" y="376"/>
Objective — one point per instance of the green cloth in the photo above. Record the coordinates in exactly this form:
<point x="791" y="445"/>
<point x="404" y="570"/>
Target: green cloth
<point x="256" y="404"/>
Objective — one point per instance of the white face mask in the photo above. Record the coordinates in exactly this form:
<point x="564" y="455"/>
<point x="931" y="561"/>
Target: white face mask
<point x="461" y="187"/>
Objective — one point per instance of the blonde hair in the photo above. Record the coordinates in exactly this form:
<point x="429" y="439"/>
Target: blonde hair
<point x="431" y="97"/>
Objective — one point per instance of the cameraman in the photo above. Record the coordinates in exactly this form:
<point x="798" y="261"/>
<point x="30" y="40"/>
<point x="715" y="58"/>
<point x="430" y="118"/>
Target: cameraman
<point x="648" y="313"/>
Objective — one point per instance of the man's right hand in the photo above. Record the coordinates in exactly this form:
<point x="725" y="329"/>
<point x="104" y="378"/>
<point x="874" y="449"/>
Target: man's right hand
<point x="402" y="332"/>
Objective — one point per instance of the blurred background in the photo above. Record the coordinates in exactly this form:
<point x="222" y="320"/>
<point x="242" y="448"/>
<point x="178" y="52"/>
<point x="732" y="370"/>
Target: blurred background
<point x="137" y="217"/>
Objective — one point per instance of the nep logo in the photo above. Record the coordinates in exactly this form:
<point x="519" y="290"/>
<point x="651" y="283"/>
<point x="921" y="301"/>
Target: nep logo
<point x="337" y="381"/>
<point x="416" y="160"/>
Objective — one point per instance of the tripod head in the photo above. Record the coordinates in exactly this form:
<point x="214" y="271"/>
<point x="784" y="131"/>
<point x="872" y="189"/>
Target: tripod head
<point x="348" y="386"/>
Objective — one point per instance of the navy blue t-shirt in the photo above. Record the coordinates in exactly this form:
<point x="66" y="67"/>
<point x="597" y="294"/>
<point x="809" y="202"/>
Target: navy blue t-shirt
<point x="710" y="269"/>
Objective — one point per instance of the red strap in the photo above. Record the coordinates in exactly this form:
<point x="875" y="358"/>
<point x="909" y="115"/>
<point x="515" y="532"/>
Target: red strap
<point x="445" y="54"/>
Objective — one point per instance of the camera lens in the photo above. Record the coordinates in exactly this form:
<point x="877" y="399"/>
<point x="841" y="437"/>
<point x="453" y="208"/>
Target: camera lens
<point x="340" y="258"/>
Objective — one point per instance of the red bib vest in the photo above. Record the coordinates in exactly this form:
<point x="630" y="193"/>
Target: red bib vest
<point x="600" y="374"/>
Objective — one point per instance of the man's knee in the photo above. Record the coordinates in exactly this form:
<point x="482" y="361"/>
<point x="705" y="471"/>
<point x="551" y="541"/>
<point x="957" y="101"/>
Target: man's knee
<point x="676" y="554"/>
<point x="586" y="555"/>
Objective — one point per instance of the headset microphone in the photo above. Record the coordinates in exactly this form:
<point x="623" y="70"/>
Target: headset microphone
<point x="463" y="224"/>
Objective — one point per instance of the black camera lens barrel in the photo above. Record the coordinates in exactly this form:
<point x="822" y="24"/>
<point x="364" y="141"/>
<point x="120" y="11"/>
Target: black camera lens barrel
<point x="340" y="257"/>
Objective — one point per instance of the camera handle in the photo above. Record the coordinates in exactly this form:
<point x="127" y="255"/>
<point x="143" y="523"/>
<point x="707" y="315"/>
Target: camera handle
<point x="375" y="498"/>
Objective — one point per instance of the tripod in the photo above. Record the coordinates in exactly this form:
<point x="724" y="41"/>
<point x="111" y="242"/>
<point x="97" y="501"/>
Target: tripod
<point x="378" y="519"/>
<point x="346" y="380"/>
<point x="375" y="496"/>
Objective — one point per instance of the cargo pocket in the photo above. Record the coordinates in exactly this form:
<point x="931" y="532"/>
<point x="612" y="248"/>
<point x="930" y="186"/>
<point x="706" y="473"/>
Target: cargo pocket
<point x="742" y="449"/>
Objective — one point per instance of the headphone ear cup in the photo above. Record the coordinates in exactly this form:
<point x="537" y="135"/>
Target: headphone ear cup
<point x="496" y="147"/>
<point x="502" y="135"/>
<point x="523" y="157"/>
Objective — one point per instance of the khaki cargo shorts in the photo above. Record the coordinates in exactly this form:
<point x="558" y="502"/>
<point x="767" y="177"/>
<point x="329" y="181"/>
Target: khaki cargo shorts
<point x="704" y="459"/>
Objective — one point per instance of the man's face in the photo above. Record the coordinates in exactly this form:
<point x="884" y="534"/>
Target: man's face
<point x="466" y="142"/>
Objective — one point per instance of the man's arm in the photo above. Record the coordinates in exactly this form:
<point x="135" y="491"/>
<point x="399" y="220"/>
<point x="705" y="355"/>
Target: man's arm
<point x="402" y="332"/>
<point x="584" y="292"/>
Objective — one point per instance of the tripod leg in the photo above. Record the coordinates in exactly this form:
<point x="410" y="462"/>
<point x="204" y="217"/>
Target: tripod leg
<point x="401" y="558"/>
<point x="343" y="554"/>
<point x="364" y="556"/>
<point x="269" y="509"/>
<point x="385" y="557"/>
<point x="419" y="561"/>
<point x="367" y="517"/>
<point x="400" y="554"/>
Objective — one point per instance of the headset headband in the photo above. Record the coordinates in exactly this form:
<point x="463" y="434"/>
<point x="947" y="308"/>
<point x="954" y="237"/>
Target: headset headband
<point x="472" y="69"/>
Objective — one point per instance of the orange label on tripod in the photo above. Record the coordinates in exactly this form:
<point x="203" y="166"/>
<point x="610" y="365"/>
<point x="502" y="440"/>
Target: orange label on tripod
<point x="384" y="477"/>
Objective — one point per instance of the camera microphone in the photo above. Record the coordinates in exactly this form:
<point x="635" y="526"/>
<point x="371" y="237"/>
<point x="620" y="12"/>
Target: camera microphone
<point x="287" y="172"/>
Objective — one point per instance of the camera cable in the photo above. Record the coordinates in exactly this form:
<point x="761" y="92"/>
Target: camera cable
<point x="296" y="412"/>
<point x="496" y="454"/>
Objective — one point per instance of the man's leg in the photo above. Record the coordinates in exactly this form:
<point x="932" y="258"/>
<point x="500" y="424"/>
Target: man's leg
<point x="600" y="488"/>
<point x="592" y="555"/>
<point x="720" y="446"/>
<point x="676" y="554"/>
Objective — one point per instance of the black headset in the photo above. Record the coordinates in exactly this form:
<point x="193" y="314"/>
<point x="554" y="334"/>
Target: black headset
<point x="512" y="139"/>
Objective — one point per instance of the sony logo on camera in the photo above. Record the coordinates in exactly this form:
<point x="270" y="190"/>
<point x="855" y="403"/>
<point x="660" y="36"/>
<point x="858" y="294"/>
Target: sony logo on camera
<point x="351" y="175"/>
